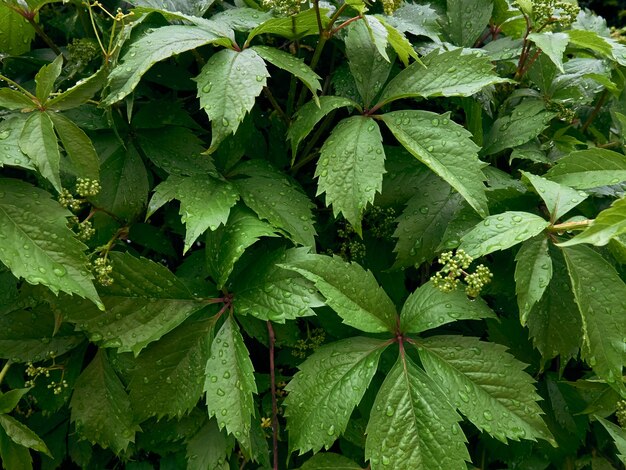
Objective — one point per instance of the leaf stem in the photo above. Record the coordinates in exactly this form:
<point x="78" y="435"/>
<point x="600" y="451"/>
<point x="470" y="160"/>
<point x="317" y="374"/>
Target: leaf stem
<point x="567" y="226"/>
<point x="272" y="338"/>
<point x="42" y="34"/>
<point x="4" y="370"/>
<point x="596" y="110"/>
<point x="268" y="94"/>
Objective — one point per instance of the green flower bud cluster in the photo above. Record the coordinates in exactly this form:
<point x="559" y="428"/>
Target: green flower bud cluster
<point x="66" y="199"/>
<point x="103" y="269"/>
<point x="554" y="12"/>
<point x="563" y="112"/>
<point x="87" y="187"/>
<point x="85" y="230"/>
<point x="57" y="387"/>
<point x="454" y="268"/>
<point x="620" y="414"/>
<point x="34" y="372"/>
<point x="284" y="7"/>
<point x="314" y="340"/>
<point x="389" y="6"/>
<point x="83" y="51"/>
<point x="352" y="248"/>
<point x="381" y="221"/>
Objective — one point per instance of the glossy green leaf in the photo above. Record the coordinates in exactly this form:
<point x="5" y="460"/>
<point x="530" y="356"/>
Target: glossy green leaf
<point x="80" y="93"/>
<point x="328" y="461"/>
<point x="37" y="244"/>
<point x="551" y="44"/>
<point x="467" y="19"/>
<point x="194" y="194"/>
<point x="156" y="45"/>
<point x="533" y="272"/>
<point x="559" y="199"/>
<point x="418" y="20"/>
<point x="501" y="231"/>
<point x="10" y="399"/>
<point x="619" y="437"/>
<point x="23" y="435"/>
<point x="100" y="408"/>
<point x="13" y="99"/>
<point x="398" y="41"/>
<point x="608" y="224"/>
<point x="323" y="394"/>
<point x="229" y="383"/>
<point x="428" y="307"/>
<point x="227" y="87"/>
<point x="292" y="27"/>
<point x="413" y="425"/>
<point x="83" y="158"/>
<point x="269" y="292"/>
<point x="145" y="302"/>
<point x="600" y="294"/>
<point x="39" y="143"/>
<point x="444" y="147"/>
<point x="17" y="33"/>
<point x="188" y="7"/>
<point x="589" y="168"/>
<point x="14" y="456"/>
<point x="350" y="290"/>
<point x="46" y="77"/>
<point x="351" y="167"/>
<point x="209" y="448"/>
<point x="445" y="74"/>
<point x="12" y="155"/>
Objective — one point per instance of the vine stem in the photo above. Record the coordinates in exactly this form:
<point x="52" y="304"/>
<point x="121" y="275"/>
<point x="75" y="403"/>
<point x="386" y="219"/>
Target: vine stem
<point x="4" y="370"/>
<point x="272" y="337"/>
<point x="42" y="34"/>
<point x="595" y="111"/>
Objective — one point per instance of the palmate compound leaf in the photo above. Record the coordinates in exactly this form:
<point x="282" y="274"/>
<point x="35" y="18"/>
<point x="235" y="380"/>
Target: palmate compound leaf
<point x="167" y="378"/>
<point x="559" y="199"/>
<point x="501" y="231"/>
<point x="268" y="292"/>
<point x="205" y="202"/>
<point x="349" y="290"/>
<point x="533" y="273"/>
<point x="145" y="302"/>
<point x="330" y="383"/>
<point x="444" y="147"/>
<point x="227" y="87"/>
<point x="428" y="307"/>
<point x="156" y="45"/>
<point x="351" y="167"/>
<point x="601" y="297"/>
<point x="229" y="383"/>
<point x="609" y="223"/>
<point x="100" y="407"/>
<point x="487" y="384"/>
<point x="412" y="424"/>
<point x="37" y="245"/>
<point x="589" y="168"/>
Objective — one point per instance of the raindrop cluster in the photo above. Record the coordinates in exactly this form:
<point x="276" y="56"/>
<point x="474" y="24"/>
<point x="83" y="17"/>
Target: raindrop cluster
<point x="454" y="266"/>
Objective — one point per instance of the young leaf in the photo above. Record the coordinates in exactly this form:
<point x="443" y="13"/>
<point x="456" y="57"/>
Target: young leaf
<point x="446" y="74"/>
<point x="559" y="199"/>
<point x="151" y="48"/>
<point x="37" y="244"/>
<point x="350" y="290"/>
<point x="209" y="448"/>
<point x="444" y="147"/>
<point x="413" y="425"/>
<point x="553" y="45"/>
<point x="609" y="224"/>
<point x="82" y="155"/>
<point x="193" y="192"/>
<point x="144" y="302"/>
<point x="400" y="44"/>
<point x="46" y="77"/>
<point x="292" y="27"/>
<point x="227" y="87"/>
<point x="599" y="292"/>
<point x="351" y="167"/>
<point x="10" y="131"/>
<point x="22" y="435"/>
<point x="330" y="383"/>
<point x="589" y="168"/>
<point x="467" y="20"/>
<point x="100" y="407"/>
<point x="268" y="292"/>
<point x="428" y="307"/>
<point x="229" y="382"/>
<point x="619" y="437"/>
<point x="39" y="143"/>
<point x="502" y="231"/>
<point x="80" y="93"/>
<point x="533" y="272"/>
<point x="487" y="385"/>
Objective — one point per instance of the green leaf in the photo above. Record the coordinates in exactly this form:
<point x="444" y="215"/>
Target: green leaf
<point x="22" y="435"/>
<point x="533" y="272"/>
<point x="559" y="199"/>
<point x="144" y="302"/>
<point x="17" y="33"/>
<point x="553" y="45"/>
<point x="268" y="292"/>
<point x="589" y="168"/>
<point x="10" y="131"/>
<point x="350" y="290"/>
<point x="412" y="424"/>
<point x="10" y="399"/>
<point x="165" y="381"/>
<point x="80" y="93"/>
<point x="368" y="67"/>
<point x="444" y="147"/>
<point x="378" y="34"/>
<point x="209" y="448"/>
<point x="193" y="192"/>
<point x="419" y="20"/>
<point x="13" y="99"/>
<point x="399" y="43"/>
<point x="526" y="121"/>
<point x="292" y="27"/>
<point x="79" y="148"/>
<point x="46" y="77"/>
<point x="501" y="231"/>
<point x="600" y="294"/>
<point x="37" y="244"/>
<point x="487" y="384"/>
<point x="310" y="114"/>
<point x="39" y="143"/>
<point x="293" y="65"/>
<point x="188" y="7"/>
<point x="227" y="87"/>
<point x="285" y="206"/>
<point x="14" y="456"/>
<point x="467" y="20"/>
<point x="100" y="407"/>
<point x="351" y="167"/>
<point x="590" y="40"/>
<point x="428" y="307"/>
<point x="156" y="45"/>
<point x="619" y="437"/>
<point x="446" y="74"/>
<point x="609" y="223"/>
<point x="330" y="461"/>
<point x="226" y="244"/>
<point x="423" y="222"/>
<point x="229" y="383"/>
<point x="323" y="394"/>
